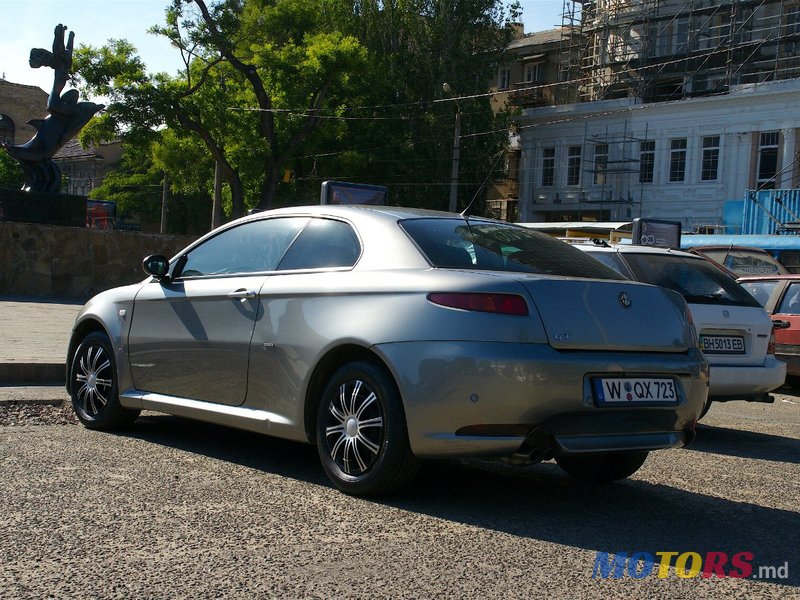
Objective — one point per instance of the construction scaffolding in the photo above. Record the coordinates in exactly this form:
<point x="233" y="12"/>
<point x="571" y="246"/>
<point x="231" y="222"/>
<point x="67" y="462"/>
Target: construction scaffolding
<point x="659" y="50"/>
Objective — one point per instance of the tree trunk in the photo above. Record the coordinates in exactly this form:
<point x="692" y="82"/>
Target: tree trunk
<point x="269" y="188"/>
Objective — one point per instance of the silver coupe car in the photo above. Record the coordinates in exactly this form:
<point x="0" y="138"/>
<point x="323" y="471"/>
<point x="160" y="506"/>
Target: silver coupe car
<point x="389" y="335"/>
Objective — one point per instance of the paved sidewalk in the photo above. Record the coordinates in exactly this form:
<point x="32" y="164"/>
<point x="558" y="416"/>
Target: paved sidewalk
<point x="34" y="333"/>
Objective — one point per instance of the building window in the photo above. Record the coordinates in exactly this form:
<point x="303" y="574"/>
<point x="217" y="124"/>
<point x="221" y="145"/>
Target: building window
<point x="574" y="165"/>
<point x="767" y="160"/>
<point x="504" y="79"/>
<point x="647" y="160"/>
<point x="677" y="160"/>
<point x="791" y="19"/>
<point x="534" y="72"/>
<point x="7" y="132"/>
<point x="600" y="164"/>
<point x="548" y="166"/>
<point x="710" y="167"/>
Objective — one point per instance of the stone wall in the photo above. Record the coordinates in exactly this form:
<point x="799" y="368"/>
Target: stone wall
<point x="22" y="103"/>
<point x="69" y="262"/>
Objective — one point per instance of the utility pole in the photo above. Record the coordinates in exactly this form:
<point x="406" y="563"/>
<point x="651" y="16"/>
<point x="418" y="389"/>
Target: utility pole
<point x="454" y="173"/>
<point x="453" y="206"/>
<point x="164" y="201"/>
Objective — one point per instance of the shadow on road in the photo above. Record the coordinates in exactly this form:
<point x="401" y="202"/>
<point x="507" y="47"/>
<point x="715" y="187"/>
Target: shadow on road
<point x="538" y="502"/>
<point x="746" y="444"/>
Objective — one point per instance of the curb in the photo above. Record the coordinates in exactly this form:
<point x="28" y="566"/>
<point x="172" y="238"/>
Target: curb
<point x="32" y="373"/>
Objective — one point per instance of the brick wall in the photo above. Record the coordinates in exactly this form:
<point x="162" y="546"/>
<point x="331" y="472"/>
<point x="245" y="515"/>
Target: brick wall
<point x="69" y="262"/>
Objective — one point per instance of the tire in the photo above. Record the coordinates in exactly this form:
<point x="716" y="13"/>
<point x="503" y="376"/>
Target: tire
<point x="602" y="468"/>
<point x="362" y="437"/>
<point x="706" y="406"/>
<point x="93" y="385"/>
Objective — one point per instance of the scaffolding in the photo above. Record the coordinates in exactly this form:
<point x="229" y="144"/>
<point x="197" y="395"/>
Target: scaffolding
<point x="659" y="50"/>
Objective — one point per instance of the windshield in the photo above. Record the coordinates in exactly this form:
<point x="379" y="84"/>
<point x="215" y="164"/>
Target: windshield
<point x="696" y="279"/>
<point x="458" y="244"/>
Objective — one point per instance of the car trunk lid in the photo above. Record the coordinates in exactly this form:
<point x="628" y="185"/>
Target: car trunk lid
<point x="586" y="314"/>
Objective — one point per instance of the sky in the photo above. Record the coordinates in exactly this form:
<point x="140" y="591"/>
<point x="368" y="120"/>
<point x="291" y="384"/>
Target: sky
<point x="26" y="24"/>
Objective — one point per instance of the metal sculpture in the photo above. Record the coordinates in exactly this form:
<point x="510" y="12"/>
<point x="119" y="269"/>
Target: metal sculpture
<point x="66" y="118"/>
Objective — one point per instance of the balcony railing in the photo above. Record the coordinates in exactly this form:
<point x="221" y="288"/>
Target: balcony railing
<point x="529" y="93"/>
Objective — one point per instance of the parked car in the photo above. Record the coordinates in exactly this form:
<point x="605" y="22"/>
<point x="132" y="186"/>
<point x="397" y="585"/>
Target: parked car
<point x="780" y="296"/>
<point x="734" y="331"/>
<point x="389" y="335"/>
<point x="741" y="261"/>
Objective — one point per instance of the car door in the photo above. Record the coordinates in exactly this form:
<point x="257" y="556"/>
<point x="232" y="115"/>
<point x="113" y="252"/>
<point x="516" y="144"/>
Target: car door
<point x="301" y="302"/>
<point x="786" y="316"/>
<point x="190" y="336"/>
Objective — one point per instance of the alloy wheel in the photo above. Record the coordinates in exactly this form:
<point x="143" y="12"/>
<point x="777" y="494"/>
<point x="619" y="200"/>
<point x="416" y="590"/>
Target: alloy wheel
<point x="354" y="428"/>
<point x="93" y="379"/>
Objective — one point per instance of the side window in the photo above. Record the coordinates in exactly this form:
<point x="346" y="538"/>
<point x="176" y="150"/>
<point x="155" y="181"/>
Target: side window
<point x="252" y="247"/>
<point x="790" y="305"/>
<point x="610" y="259"/>
<point x="323" y="243"/>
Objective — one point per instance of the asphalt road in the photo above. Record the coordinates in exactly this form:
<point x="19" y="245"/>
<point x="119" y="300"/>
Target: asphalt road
<point x="177" y="509"/>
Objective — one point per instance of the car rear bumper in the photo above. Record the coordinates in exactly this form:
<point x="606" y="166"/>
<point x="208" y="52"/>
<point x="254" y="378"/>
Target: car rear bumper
<point x="733" y="382"/>
<point x="472" y="398"/>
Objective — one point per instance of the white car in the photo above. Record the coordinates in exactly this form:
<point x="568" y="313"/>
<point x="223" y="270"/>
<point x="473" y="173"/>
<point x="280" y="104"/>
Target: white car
<point x="734" y="331"/>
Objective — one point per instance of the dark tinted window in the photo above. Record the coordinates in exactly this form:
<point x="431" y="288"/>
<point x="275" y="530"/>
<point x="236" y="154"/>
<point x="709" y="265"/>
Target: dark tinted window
<point x="696" y="279"/>
<point x="323" y="243"/>
<point x="252" y="247"/>
<point x="760" y="290"/>
<point x="456" y="243"/>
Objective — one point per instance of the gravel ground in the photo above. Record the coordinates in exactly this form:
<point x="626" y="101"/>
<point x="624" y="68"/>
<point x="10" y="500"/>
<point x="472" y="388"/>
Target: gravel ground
<point x="180" y="509"/>
<point x="28" y="413"/>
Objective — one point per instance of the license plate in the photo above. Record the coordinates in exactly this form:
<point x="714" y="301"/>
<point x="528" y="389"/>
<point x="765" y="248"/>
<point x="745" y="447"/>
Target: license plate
<point x="629" y="390"/>
<point x="722" y="344"/>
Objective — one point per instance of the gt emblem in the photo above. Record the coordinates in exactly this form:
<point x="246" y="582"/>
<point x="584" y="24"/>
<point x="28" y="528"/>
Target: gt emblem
<point x="625" y="299"/>
<point x="726" y="314"/>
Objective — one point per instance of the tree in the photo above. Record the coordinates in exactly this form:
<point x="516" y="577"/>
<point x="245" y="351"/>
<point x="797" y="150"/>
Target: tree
<point x="239" y="55"/>
<point x="322" y="88"/>
<point x="10" y="172"/>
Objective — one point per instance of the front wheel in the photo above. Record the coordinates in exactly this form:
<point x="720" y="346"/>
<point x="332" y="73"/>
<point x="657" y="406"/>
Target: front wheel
<point x="362" y="436"/>
<point x="93" y="385"/>
<point x="602" y="468"/>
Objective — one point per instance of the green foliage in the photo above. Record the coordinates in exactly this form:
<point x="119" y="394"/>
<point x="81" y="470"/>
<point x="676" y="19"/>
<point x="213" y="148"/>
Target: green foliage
<point x="10" y="172"/>
<point x="136" y="186"/>
<point x="277" y="85"/>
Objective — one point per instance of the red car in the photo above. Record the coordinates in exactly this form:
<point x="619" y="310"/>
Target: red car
<point x="780" y="295"/>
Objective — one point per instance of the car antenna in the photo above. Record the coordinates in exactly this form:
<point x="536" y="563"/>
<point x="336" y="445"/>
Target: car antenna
<point x="471" y="202"/>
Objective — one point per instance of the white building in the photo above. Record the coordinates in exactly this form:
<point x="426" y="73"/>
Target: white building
<point x="678" y="160"/>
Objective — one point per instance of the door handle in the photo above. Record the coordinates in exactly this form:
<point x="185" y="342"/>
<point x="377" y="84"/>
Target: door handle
<point x="242" y="294"/>
<point x="778" y="324"/>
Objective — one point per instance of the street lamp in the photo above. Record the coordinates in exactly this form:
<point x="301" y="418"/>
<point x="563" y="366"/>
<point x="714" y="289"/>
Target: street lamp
<point x="453" y="206"/>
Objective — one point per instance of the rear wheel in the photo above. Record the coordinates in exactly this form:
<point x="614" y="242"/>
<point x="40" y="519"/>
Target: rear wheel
<point x="362" y="436"/>
<point x="93" y="385"/>
<point x="706" y="406"/>
<point x="602" y="468"/>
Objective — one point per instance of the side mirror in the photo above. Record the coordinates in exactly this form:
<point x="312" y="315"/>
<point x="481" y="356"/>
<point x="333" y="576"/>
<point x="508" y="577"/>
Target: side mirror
<point x="156" y="265"/>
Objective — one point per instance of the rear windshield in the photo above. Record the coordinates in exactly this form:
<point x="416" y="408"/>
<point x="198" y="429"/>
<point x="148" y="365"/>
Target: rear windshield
<point x="760" y="290"/>
<point x="743" y="261"/>
<point x="695" y="278"/>
<point x="458" y="244"/>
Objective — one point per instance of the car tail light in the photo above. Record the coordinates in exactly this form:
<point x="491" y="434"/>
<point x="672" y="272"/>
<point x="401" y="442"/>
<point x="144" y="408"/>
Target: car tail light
<point x="503" y="304"/>
<point x="771" y="343"/>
